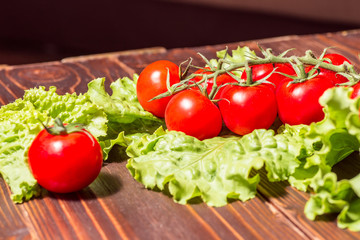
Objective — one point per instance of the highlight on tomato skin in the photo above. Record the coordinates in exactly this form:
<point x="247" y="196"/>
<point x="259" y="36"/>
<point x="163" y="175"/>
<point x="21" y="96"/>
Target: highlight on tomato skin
<point x="152" y="82"/>
<point x="194" y="114"/>
<point x="65" y="163"/>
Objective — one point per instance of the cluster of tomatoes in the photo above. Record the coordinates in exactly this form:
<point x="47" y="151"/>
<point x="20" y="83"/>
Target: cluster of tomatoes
<point x="241" y="105"/>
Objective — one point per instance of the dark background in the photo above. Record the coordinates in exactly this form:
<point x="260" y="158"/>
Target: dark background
<point x="37" y="31"/>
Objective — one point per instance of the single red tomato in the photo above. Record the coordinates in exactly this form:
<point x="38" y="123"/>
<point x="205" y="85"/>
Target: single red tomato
<point x="194" y="114"/>
<point x="298" y="103"/>
<point x="328" y="74"/>
<point x="66" y="162"/>
<point x="335" y="59"/>
<point x="260" y="71"/>
<point x="220" y="81"/>
<point x="152" y="82"/>
<point x="246" y="108"/>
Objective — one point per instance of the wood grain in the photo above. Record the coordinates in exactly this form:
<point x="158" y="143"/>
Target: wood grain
<point x="115" y="206"/>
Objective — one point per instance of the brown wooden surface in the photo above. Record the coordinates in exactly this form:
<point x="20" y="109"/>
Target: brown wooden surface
<point x="115" y="206"/>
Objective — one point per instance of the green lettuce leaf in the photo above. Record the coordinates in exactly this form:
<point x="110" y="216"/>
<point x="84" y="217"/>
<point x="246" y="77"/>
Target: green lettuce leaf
<point x="339" y="135"/>
<point x="349" y="217"/>
<point x="70" y="108"/>
<point x="214" y="169"/>
<point x="22" y="120"/>
<point x="18" y="127"/>
<point x="238" y="55"/>
<point x="126" y="117"/>
<point x="122" y="106"/>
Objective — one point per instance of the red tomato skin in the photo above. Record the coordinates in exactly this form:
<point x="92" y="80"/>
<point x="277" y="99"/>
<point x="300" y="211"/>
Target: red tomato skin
<point x="65" y="163"/>
<point x="298" y="103"/>
<point x="336" y="59"/>
<point x="356" y="91"/>
<point x="194" y="114"/>
<point x="262" y="70"/>
<point x="152" y="82"/>
<point x="245" y="109"/>
<point x="220" y="80"/>
<point x="330" y="75"/>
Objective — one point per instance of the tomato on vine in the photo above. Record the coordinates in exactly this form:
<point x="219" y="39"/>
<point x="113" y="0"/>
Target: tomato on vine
<point x="246" y="108"/>
<point x="194" y="114"/>
<point x="356" y="90"/>
<point x="335" y="59"/>
<point x="153" y="81"/>
<point x="260" y="71"/>
<point x="298" y="101"/>
<point x="209" y="83"/>
<point x="65" y="158"/>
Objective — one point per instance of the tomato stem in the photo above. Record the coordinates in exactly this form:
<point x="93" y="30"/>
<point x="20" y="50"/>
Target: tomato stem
<point x="60" y="129"/>
<point x="226" y="66"/>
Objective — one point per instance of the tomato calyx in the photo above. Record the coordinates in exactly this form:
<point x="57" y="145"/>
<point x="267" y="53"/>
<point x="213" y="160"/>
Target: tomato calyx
<point x="353" y="78"/>
<point x="59" y="128"/>
<point x="249" y="78"/>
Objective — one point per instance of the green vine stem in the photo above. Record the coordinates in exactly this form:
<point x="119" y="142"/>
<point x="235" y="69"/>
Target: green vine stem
<point x="308" y="59"/>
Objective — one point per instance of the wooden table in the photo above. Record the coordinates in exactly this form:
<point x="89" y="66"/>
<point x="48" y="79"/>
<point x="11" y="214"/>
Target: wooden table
<point x="115" y="206"/>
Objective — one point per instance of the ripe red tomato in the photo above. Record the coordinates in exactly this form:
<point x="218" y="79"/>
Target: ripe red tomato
<point x="336" y="59"/>
<point x="298" y="103"/>
<point x="194" y="114"/>
<point x="152" y="82"/>
<point x="260" y="71"/>
<point x="65" y="163"/>
<point x="246" y="108"/>
<point x="220" y="80"/>
<point x="356" y="91"/>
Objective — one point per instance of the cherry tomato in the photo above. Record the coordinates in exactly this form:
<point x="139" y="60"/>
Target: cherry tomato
<point x="152" y="82"/>
<point x="246" y="108"/>
<point x="194" y="114"/>
<point x="220" y="81"/>
<point x="336" y="59"/>
<point x="298" y="103"/>
<point x="66" y="162"/>
<point x="260" y="71"/>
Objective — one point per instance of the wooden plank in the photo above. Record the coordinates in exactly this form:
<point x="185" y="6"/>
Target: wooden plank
<point x="12" y="217"/>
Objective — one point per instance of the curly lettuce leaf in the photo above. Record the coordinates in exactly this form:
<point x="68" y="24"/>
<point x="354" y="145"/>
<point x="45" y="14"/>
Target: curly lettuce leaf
<point x="333" y="196"/>
<point x="20" y="122"/>
<point x="349" y="217"/>
<point x="125" y="115"/>
<point x="339" y="135"/>
<point x="18" y="127"/>
<point x="238" y="55"/>
<point x="122" y="106"/>
<point x="214" y="169"/>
